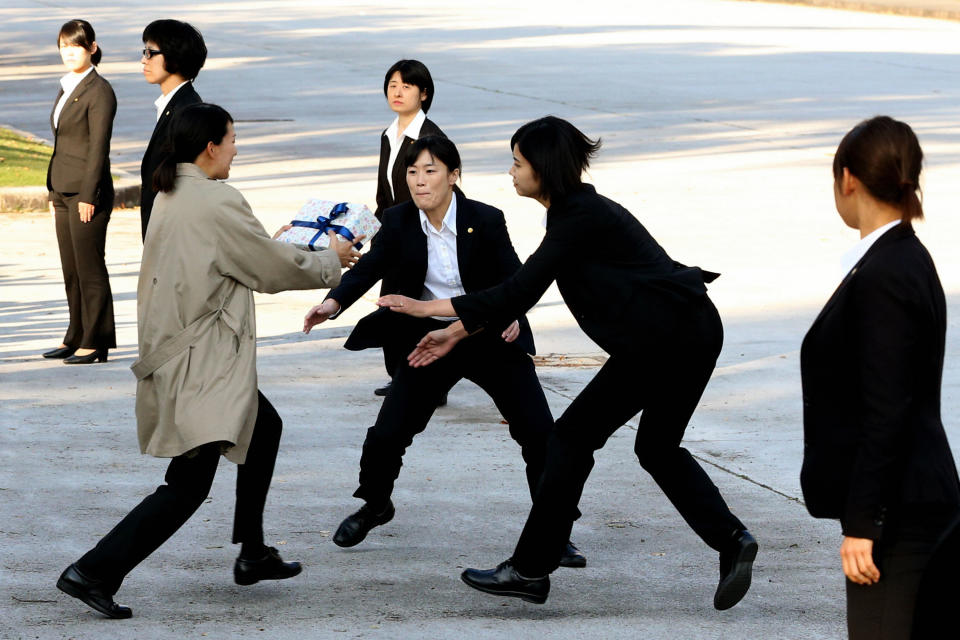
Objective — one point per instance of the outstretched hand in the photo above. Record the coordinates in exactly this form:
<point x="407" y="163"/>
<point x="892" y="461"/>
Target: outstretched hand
<point x="432" y="347"/>
<point x="403" y="304"/>
<point x="320" y="313"/>
<point x="345" y="248"/>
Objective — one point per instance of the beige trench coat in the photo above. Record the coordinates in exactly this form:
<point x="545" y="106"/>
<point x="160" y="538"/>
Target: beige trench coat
<point x="203" y="256"/>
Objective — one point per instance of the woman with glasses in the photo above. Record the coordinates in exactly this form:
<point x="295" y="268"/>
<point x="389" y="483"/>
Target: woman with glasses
<point x="173" y="54"/>
<point x="81" y="194"/>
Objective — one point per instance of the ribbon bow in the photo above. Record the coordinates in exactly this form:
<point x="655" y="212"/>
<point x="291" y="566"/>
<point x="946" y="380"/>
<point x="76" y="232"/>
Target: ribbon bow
<point x="324" y="224"/>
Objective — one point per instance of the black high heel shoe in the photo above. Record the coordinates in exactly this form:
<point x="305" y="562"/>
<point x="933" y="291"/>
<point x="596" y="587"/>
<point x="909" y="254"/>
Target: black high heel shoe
<point x="100" y="355"/>
<point x="60" y="352"/>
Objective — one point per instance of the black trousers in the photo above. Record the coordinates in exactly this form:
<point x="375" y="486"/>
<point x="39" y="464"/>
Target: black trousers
<point x="82" y="249"/>
<point x="503" y="370"/>
<point x="188" y="482"/>
<point x="666" y="386"/>
<point x="886" y="610"/>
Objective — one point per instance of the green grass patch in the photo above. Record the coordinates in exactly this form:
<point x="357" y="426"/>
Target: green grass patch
<point x="23" y="163"/>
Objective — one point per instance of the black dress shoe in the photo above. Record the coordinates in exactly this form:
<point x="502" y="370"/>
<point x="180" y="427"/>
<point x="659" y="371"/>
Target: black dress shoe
<point x="572" y="557"/>
<point x="92" y="592"/>
<point x="60" y="352"/>
<point x="100" y="355"/>
<point x="505" y="581"/>
<point x="269" y="567"/>
<point x="355" y="527"/>
<point x="736" y="567"/>
<point x="382" y="391"/>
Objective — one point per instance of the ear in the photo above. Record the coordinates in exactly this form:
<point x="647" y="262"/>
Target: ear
<point x="453" y="176"/>
<point x="423" y="96"/>
<point x="94" y="47"/>
<point x="211" y="149"/>
<point x="848" y="182"/>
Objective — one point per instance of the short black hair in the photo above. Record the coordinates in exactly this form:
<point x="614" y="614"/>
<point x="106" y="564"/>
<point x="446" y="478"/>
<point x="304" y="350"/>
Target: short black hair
<point x="79" y="33"/>
<point x="439" y="147"/>
<point x="182" y="46"/>
<point x="558" y="152"/>
<point x="412" y="72"/>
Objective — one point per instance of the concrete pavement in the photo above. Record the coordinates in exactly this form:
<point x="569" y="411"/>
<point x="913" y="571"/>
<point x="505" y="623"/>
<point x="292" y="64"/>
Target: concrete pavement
<point x="719" y="121"/>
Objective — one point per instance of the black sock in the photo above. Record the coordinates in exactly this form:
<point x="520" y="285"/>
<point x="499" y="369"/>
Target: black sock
<point x="253" y="550"/>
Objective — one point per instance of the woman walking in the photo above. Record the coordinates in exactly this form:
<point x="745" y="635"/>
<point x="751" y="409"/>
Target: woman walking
<point x="197" y="396"/>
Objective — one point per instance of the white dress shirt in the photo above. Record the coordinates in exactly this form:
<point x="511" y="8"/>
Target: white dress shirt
<point x="443" y="269"/>
<point x="68" y="83"/>
<point x="412" y="131"/>
<point x="853" y="256"/>
<point x="162" y="102"/>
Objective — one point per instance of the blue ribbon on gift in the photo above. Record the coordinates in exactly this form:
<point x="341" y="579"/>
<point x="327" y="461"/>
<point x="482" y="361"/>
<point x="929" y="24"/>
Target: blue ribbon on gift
<point x="324" y="224"/>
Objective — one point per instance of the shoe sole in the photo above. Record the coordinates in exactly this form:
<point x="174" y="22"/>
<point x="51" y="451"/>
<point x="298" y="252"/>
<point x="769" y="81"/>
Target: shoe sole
<point x="574" y="563"/>
<point x="73" y="592"/>
<point x="246" y="582"/>
<point x="512" y="594"/>
<point x="736" y="585"/>
<point x="347" y="545"/>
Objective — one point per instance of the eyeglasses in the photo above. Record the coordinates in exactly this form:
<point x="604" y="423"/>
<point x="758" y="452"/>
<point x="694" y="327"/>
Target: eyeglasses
<point x="149" y="53"/>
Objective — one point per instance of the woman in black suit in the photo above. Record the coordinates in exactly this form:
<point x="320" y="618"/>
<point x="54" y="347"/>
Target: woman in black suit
<point x="81" y="194"/>
<point x="408" y="88"/>
<point x="663" y="334"/>
<point x="875" y="453"/>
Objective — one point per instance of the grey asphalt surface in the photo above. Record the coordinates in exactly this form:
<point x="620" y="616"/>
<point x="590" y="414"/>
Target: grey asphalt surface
<point x="719" y="121"/>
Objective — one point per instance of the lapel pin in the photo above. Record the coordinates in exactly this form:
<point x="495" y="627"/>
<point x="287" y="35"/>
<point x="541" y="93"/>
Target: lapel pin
<point x="76" y="99"/>
<point x="469" y="229"/>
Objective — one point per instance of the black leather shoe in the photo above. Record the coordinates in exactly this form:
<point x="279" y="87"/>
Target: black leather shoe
<point x="505" y="581"/>
<point x="59" y="352"/>
<point x="382" y="391"/>
<point x="269" y="567"/>
<point x="736" y="567"/>
<point x="92" y="592"/>
<point x="572" y="557"/>
<point x="355" y="527"/>
<point x="100" y="355"/>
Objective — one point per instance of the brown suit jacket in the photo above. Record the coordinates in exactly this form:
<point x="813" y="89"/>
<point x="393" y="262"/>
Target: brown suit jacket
<point x="81" y="151"/>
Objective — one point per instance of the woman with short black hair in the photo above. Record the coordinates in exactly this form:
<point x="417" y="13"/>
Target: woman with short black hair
<point x="663" y="334"/>
<point x="81" y="195"/>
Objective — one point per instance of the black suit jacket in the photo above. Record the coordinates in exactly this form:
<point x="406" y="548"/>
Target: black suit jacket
<point x="154" y="154"/>
<point x="871" y="365"/>
<point x="398" y="257"/>
<point x="628" y="295"/>
<point x="81" y="151"/>
<point x="400" y="193"/>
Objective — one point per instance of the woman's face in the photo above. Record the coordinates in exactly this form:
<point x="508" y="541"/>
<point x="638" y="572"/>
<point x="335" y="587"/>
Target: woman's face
<point x="403" y="98"/>
<point x="153" y="67"/>
<point x="430" y="182"/>
<point x="76" y="58"/>
<point x="223" y="154"/>
<point x="525" y="179"/>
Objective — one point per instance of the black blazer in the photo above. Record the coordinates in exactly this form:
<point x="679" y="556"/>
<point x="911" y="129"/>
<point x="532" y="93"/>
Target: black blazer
<point x="154" y="154"/>
<point x="400" y="193"/>
<point x="871" y="366"/>
<point x="628" y="296"/>
<point x="485" y="257"/>
<point x="81" y="150"/>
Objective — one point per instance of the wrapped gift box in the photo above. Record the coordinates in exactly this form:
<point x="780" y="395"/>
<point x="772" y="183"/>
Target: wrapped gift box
<point x="316" y="217"/>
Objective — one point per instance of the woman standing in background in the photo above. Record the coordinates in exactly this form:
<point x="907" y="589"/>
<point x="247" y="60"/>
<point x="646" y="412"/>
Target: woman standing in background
<point x="81" y="194"/>
<point x="875" y="453"/>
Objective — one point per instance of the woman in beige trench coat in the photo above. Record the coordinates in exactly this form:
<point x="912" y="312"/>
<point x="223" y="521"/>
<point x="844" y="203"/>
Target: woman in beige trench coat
<point x="204" y="254"/>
